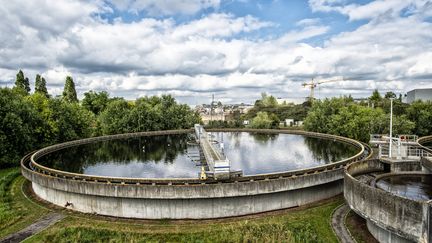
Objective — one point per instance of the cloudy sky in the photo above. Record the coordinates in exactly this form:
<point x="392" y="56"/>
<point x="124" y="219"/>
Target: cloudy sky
<point x="234" y="49"/>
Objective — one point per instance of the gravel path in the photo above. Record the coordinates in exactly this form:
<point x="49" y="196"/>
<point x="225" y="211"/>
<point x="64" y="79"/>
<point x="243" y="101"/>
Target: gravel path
<point x="34" y="228"/>
<point x="338" y="225"/>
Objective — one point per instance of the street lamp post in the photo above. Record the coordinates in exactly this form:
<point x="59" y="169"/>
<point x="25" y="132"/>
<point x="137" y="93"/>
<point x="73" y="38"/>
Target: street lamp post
<point x="391" y="127"/>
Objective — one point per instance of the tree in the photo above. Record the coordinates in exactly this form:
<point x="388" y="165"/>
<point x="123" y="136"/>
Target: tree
<point x="69" y="92"/>
<point x="402" y="125"/>
<point x="335" y="116"/>
<point x="40" y="86"/>
<point x="399" y="108"/>
<point x="320" y="114"/>
<point x="261" y="121"/>
<point x="46" y="131"/>
<point x="95" y="102"/>
<point x="18" y="122"/>
<point x="266" y="101"/>
<point x="71" y="121"/>
<point x="390" y="95"/>
<point x="375" y="98"/>
<point x="161" y="113"/>
<point x="275" y="121"/>
<point x="22" y="83"/>
<point x="420" y="113"/>
<point x="114" y="119"/>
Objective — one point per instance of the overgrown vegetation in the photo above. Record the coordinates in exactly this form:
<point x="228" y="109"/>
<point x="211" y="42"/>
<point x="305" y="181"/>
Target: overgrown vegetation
<point x="6" y="212"/>
<point x="302" y="225"/>
<point x="30" y="121"/>
<point x="16" y="211"/>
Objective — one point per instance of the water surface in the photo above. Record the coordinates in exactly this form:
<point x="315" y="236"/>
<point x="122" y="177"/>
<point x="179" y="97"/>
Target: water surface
<point x="171" y="156"/>
<point x="417" y="187"/>
<point x="428" y="144"/>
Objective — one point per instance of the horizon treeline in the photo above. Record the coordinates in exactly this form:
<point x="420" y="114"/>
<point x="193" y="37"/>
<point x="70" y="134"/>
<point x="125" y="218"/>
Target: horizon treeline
<point x="30" y="121"/>
<point x="345" y="117"/>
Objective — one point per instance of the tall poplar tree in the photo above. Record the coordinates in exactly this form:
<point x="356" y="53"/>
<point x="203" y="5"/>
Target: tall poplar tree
<point x="40" y="86"/>
<point x="69" y="92"/>
<point x="22" y="83"/>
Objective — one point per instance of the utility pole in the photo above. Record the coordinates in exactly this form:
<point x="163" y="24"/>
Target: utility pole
<point x="139" y="122"/>
<point x="391" y="127"/>
<point x="211" y="109"/>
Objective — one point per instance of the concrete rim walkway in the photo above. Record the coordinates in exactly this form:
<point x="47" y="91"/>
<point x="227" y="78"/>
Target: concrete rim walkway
<point x="338" y="224"/>
<point x="34" y="228"/>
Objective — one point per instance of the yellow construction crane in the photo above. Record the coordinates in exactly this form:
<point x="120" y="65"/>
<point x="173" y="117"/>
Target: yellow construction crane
<point x="313" y="84"/>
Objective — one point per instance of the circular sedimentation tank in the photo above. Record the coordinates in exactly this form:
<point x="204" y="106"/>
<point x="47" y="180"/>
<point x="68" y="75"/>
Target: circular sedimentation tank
<point x="412" y="186"/>
<point x="156" y="174"/>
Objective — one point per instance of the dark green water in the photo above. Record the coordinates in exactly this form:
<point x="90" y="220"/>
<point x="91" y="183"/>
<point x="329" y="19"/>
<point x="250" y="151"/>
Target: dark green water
<point x="167" y="156"/>
<point x="429" y="145"/>
<point x="417" y="187"/>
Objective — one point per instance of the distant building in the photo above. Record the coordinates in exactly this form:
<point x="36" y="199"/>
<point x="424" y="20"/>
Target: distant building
<point x="289" y="122"/>
<point x="419" y="94"/>
<point x="289" y="101"/>
<point x="360" y="100"/>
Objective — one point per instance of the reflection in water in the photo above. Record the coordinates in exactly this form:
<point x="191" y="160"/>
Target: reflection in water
<point x="145" y="157"/>
<point x="166" y="156"/>
<point x="416" y="187"/>
<point x="255" y="153"/>
<point x="263" y="138"/>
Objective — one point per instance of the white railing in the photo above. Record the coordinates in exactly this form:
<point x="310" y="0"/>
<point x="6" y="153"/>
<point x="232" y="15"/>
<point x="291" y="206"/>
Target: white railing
<point x="400" y="151"/>
<point x="384" y="138"/>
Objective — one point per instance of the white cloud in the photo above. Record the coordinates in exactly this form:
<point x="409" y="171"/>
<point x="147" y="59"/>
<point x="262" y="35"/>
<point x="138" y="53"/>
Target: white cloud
<point x="219" y="25"/>
<point x="165" y="7"/>
<point x="213" y="54"/>
<point x="308" y="22"/>
<point x="370" y="10"/>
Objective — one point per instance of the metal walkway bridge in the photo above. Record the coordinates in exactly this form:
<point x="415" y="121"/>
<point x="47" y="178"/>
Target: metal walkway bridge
<point x="218" y="164"/>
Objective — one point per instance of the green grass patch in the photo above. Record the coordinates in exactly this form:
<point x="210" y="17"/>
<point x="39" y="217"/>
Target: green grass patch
<point x="299" y="225"/>
<point x="16" y="211"/>
<point x="304" y="224"/>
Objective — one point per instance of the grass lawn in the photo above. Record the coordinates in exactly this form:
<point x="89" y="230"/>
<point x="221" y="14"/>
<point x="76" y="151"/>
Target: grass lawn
<point x="304" y="224"/>
<point x="16" y="211"/>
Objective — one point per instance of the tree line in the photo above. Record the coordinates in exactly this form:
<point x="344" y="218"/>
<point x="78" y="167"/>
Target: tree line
<point x="342" y="116"/>
<point x="345" y="117"/>
<point x="29" y="121"/>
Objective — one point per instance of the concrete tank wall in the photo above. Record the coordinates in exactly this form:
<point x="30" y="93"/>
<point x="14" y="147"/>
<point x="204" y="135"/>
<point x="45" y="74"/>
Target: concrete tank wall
<point x="214" y="190"/>
<point x="384" y="236"/>
<point x="186" y="198"/>
<point x="191" y="201"/>
<point x="197" y="208"/>
<point x="406" y="218"/>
